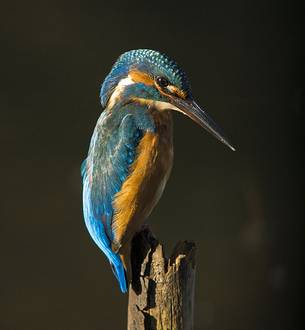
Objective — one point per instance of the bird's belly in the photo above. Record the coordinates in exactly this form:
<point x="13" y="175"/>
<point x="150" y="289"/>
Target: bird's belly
<point x="144" y="186"/>
<point x="158" y="171"/>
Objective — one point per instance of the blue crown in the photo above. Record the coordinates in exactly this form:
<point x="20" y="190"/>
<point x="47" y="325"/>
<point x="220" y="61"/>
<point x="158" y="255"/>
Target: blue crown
<point x="150" y="61"/>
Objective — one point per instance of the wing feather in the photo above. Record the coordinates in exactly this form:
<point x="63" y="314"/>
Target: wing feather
<point x="111" y="153"/>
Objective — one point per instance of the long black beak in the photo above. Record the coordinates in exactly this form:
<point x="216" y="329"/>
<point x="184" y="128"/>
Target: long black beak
<point x="193" y="111"/>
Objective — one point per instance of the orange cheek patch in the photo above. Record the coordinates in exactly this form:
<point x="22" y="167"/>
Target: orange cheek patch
<point x="172" y="90"/>
<point x="177" y="91"/>
<point x="141" y="77"/>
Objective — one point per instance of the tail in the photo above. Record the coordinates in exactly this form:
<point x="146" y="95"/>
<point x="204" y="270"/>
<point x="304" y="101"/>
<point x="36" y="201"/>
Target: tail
<point x="120" y="274"/>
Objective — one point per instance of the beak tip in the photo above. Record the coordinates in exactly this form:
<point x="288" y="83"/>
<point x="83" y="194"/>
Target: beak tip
<point x="228" y="144"/>
<point x="192" y="110"/>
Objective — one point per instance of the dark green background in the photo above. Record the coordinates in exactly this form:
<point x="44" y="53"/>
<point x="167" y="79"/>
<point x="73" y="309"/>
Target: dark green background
<point x="243" y="209"/>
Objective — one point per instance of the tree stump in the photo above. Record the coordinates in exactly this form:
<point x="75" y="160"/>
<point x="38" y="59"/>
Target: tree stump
<point x="161" y="294"/>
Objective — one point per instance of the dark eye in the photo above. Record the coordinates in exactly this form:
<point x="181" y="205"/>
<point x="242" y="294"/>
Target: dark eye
<point x="162" y="81"/>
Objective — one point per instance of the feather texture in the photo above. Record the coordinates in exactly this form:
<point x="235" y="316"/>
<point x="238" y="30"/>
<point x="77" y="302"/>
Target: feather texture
<point x="130" y="154"/>
<point x="112" y="151"/>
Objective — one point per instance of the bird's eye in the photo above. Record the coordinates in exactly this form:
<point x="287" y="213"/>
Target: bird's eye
<point x="162" y="81"/>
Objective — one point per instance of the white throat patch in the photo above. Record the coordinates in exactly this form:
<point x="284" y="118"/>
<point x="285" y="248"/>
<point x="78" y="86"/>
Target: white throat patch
<point x="119" y="90"/>
<point x="161" y="106"/>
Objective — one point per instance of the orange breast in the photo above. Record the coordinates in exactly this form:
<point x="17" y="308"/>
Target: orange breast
<point x="144" y="186"/>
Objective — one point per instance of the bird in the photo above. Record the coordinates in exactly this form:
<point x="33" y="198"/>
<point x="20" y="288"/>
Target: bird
<point x="131" y="149"/>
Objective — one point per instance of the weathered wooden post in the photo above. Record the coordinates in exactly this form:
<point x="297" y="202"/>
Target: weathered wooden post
<point x="161" y="296"/>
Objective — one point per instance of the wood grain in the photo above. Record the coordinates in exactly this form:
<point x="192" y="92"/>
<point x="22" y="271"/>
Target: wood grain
<point x="161" y="296"/>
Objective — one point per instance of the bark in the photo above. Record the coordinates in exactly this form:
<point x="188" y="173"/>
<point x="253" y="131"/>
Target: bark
<point x="161" y="295"/>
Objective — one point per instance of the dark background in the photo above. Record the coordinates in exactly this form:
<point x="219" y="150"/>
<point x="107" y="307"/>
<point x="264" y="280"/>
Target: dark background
<point x="243" y="209"/>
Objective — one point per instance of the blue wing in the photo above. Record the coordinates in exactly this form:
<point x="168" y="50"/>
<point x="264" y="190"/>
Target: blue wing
<point x="112" y="151"/>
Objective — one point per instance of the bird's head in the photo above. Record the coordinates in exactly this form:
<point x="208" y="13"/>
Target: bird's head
<point x="151" y="78"/>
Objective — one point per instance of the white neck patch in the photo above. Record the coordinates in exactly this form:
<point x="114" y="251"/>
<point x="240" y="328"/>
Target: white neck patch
<point x="119" y="90"/>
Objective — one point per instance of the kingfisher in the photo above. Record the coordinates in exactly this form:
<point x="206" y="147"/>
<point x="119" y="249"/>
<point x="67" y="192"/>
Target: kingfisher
<point x="131" y="150"/>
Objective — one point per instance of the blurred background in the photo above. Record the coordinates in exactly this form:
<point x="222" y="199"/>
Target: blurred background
<point x="245" y="210"/>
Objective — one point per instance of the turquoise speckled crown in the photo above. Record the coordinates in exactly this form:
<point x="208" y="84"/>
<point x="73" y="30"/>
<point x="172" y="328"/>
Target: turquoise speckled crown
<point x="146" y="60"/>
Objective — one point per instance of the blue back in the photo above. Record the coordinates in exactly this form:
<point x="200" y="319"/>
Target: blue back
<point x="111" y="153"/>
